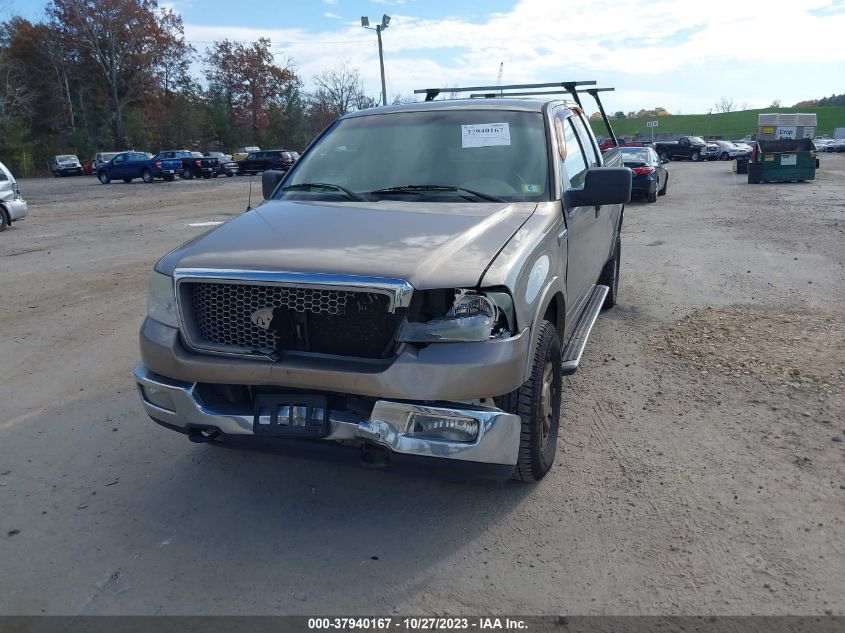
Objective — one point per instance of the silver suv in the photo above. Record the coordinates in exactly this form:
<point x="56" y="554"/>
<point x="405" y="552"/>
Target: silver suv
<point x="416" y="285"/>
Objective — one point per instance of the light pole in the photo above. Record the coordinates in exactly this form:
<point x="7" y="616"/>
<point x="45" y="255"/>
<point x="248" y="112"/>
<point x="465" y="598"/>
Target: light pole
<point x="385" y="20"/>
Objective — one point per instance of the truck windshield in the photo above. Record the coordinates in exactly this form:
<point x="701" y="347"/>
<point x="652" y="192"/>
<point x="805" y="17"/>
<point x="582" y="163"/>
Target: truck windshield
<point x="435" y="155"/>
<point x="696" y="139"/>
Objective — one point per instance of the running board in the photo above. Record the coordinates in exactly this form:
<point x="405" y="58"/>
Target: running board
<point x="573" y="351"/>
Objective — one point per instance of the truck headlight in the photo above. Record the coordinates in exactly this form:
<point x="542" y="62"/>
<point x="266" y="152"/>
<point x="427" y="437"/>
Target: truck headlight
<point x="473" y="317"/>
<point x="161" y="302"/>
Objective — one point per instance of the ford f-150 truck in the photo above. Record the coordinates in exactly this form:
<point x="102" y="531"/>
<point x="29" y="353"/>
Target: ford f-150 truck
<point x="127" y="166"/>
<point x="691" y="147"/>
<point x="416" y="285"/>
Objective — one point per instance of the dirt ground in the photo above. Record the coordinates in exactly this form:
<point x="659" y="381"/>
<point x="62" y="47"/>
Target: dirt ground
<point x="700" y="468"/>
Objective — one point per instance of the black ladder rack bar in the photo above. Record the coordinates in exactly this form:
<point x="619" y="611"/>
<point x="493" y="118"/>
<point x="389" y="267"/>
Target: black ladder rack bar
<point x="431" y="93"/>
<point x="594" y="93"/>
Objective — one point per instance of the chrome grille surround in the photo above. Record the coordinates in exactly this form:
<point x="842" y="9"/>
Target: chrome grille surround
<point x="227" y="298"/>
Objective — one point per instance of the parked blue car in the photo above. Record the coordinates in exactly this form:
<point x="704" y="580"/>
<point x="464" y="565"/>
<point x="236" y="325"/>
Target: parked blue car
<point x="127" y="166"/>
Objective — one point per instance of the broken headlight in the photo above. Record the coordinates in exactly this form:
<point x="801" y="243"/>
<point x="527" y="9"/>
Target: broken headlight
<point x="161" y="302"/>
<point x="473" y="317"/>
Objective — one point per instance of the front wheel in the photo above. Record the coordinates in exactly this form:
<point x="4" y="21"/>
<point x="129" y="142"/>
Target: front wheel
<point x="537" y="402"/>
<point x="724" y="156"/>
<point x="696" y="156"/>
<point x="4" y="221"/>
<point x="147" y="176"/>
<point x="104" y="178"/>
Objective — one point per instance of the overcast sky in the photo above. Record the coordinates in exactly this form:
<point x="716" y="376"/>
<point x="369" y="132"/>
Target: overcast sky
<point x="679" y="54"/>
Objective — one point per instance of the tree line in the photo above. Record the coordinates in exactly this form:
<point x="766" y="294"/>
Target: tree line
<point x="100" y="75"/>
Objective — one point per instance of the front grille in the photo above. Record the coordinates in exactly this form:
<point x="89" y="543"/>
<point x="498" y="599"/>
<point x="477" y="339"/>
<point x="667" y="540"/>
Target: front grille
<point x="222" y="316"/>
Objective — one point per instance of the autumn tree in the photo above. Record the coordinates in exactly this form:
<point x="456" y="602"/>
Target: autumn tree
<point x="249" y="81"/>
<point x="131" y="43"/>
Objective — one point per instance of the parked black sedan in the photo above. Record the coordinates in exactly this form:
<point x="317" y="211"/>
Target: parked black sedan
<point x="281" y="159"/>
<point x="651" y="178"/>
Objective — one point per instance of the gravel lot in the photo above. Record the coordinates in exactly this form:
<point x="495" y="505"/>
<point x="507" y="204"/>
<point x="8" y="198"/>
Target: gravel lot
<point x="700" y="468"/>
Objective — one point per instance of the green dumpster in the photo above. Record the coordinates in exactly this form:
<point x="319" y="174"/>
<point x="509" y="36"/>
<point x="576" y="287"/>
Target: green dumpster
<point x="784" y="160"/>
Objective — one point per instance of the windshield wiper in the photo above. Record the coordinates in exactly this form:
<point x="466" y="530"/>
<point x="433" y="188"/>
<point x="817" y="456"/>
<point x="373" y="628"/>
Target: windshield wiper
<point x="309" y="186"/>
<point x="419" y="188"/>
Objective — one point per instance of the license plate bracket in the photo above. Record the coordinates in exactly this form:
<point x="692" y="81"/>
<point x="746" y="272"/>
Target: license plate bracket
<point x="291" y="415"/>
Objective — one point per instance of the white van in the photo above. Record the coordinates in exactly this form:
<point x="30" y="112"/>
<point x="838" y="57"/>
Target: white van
<point x="12" y="205"/>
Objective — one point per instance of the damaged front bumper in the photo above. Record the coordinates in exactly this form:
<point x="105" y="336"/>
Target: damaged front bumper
<point x="179" y="406"/>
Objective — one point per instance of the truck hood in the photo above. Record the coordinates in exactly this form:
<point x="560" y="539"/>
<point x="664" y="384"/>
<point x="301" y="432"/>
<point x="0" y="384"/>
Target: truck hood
<point x="436" y="245"/>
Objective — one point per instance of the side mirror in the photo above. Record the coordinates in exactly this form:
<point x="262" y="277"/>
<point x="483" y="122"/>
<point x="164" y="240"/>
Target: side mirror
<point x="269" y="181"/>
<point x="602" y="185"/>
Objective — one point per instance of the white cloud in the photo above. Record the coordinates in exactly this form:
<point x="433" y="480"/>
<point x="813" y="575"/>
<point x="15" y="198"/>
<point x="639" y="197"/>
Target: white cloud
<point x="662" y="48"/>
<point x="332" y="16"/>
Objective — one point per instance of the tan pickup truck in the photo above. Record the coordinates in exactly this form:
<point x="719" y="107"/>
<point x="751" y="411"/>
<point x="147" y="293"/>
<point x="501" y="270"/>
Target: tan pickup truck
<point x="416" y="285"/>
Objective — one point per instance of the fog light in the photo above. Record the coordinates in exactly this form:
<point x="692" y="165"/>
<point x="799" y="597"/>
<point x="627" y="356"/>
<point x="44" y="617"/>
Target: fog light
<point x="440" y="427"/>
<point x="157" y="397"/>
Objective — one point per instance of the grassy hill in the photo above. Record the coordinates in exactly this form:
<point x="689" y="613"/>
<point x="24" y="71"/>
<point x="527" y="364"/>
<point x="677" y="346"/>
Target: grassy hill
<point x="729" y="125"/>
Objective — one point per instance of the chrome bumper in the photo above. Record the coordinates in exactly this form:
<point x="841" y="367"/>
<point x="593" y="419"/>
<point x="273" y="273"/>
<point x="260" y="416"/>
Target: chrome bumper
<point x="177" y="404"/>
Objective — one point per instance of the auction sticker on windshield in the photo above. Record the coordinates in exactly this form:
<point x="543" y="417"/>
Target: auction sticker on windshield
<point x="485" y="135"/>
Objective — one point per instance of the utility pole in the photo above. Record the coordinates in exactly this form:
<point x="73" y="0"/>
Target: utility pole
<point x="385" y="20"/>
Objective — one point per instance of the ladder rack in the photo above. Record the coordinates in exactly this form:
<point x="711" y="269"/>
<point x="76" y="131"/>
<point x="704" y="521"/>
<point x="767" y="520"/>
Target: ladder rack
<point x="530" y="90"/>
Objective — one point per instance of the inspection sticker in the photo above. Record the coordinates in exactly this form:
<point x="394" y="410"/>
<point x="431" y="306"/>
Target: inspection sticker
<point x="485" y="135"/>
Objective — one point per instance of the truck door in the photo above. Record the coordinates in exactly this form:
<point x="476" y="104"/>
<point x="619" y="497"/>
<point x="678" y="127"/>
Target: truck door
<point x="608" y="215"/>
<point x="117" y="168"/>
<point x="585" y="225"/>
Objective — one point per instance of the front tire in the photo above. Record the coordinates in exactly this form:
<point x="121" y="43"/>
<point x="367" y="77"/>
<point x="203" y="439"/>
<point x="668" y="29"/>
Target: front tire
<point x="4" y="220"/>
<point x="724" y="156"/>
<point x="104" y="178"/>
<point x="610" y="273"/>
<point x="696" y="156"/>
<point x="537" y="402"/>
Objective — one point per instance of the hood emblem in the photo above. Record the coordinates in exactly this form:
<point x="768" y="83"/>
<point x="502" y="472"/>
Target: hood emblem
<point x="262" y="318"/>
